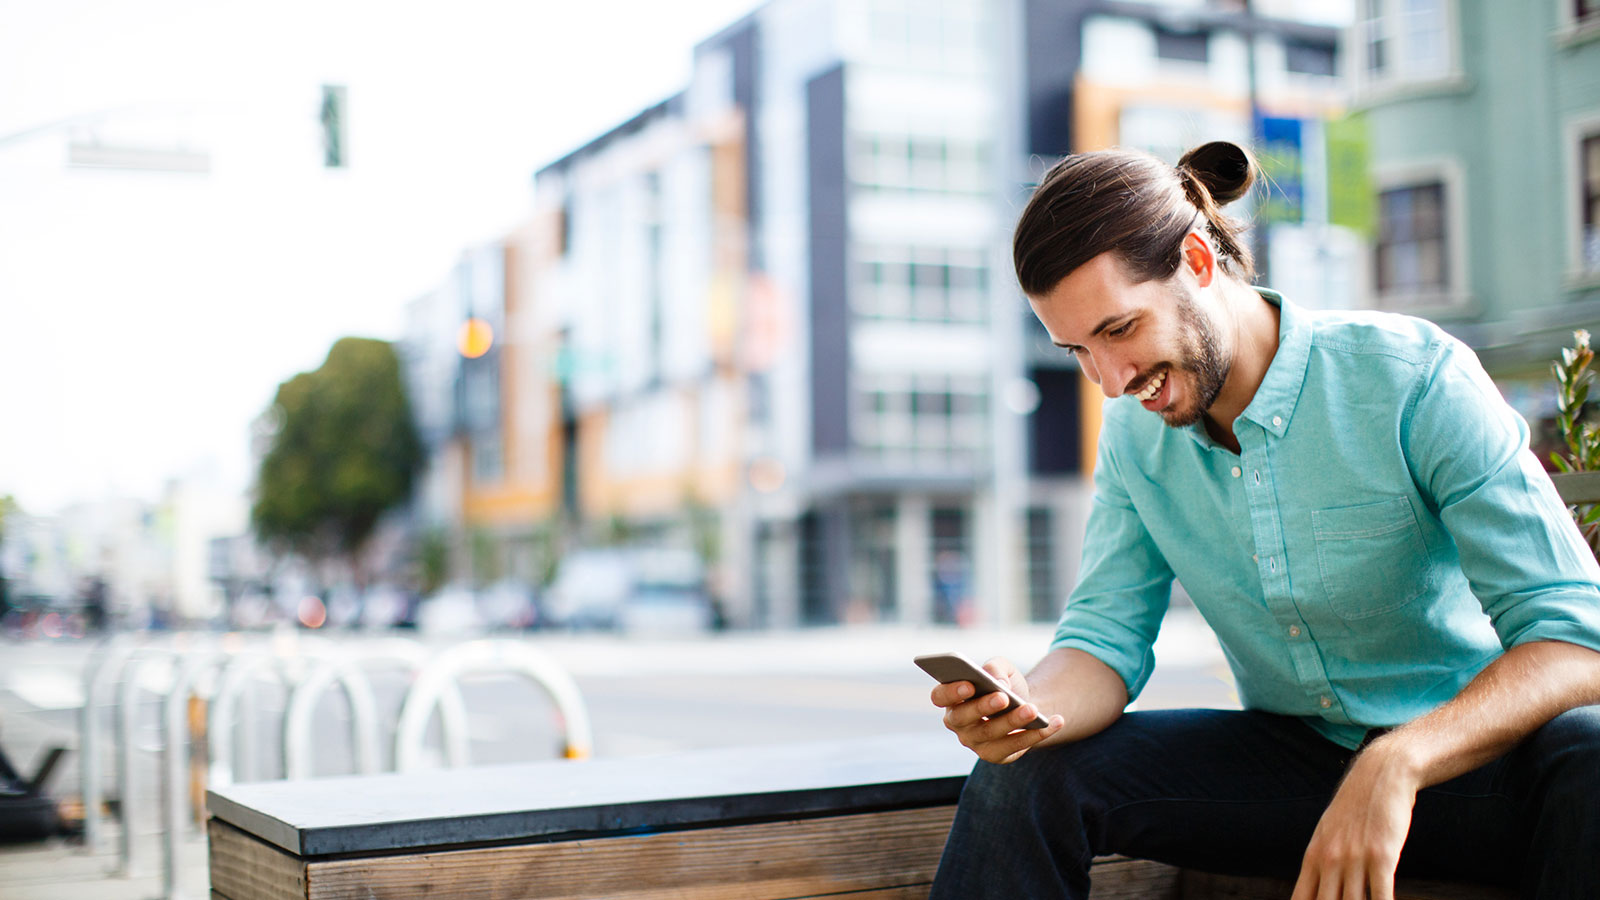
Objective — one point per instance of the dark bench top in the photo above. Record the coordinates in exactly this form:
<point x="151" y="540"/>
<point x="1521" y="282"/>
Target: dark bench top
<point x="556" y="799"/>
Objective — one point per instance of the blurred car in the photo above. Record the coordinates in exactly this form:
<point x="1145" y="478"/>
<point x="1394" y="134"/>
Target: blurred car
<point x="452" y="612"/>
<point x="508" y="604"/>
<point x="589" y="589"/>
<point x="384" y="606"/>
<point x="640" y="590"/>
<point x="668" y="594"/>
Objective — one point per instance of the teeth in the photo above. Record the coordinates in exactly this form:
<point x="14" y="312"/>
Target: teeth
<point x="1152" y="388"/>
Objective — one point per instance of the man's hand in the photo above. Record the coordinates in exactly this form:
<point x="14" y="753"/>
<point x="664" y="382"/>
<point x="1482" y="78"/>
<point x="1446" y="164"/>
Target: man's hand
<point x="1001" y="739"/>
<point x="1356" y="847"/>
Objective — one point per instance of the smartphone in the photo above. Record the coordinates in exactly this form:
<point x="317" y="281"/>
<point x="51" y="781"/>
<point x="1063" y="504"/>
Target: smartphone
<point x="951" y="667"/>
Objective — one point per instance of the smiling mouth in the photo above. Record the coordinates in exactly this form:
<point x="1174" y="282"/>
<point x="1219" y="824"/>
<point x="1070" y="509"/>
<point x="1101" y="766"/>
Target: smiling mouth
<point x="1152" y="388"/>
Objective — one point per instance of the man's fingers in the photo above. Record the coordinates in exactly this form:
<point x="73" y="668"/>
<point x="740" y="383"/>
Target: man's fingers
<point x="1380" y="882"/>
<point x="965" y="715"/>
<point x="1329" y="888"/>
<point x="1008" y="748"/>
<point x="948" y="695"/>
<point x="1305" y="887"/>
<point x="999" y="725"/>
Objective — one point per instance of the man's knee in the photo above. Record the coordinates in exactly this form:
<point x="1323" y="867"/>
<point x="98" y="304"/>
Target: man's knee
<point x="1020" y="785"/>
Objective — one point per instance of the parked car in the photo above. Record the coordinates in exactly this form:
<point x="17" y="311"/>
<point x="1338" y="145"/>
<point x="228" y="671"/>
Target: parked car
<point x="589" y="589"/>
<point x="637" y="590"/>
<point x="452" y="612"/>
<point x="668" y="595"/>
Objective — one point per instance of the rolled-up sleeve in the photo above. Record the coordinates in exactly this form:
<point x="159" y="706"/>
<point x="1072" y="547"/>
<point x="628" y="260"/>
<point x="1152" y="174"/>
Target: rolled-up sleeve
<point x="1520" y="550"/>
<point x="1124" y="586"/>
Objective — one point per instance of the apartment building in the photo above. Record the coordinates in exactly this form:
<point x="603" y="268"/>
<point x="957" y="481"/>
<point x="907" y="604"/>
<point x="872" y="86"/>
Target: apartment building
<point x="1485" y="128"/>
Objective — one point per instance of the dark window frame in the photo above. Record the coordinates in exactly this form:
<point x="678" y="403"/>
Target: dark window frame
<point x="1409" y="229"/>
<point x="1310" y="57"/>
<point x="1182" y="46"/>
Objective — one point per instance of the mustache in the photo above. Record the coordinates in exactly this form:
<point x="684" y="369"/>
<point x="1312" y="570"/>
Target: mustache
<point x="1150" y="376"/>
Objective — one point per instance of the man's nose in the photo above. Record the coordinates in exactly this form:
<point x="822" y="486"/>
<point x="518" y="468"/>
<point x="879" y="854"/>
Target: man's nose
<point x="1115" y="376"/>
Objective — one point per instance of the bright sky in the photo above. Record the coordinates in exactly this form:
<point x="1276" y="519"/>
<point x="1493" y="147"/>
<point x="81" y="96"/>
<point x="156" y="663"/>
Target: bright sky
<point x="147" y="317"/>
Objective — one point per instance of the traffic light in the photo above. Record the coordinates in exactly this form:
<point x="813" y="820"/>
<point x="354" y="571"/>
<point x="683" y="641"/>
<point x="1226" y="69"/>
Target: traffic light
<point x="335" y="137"/>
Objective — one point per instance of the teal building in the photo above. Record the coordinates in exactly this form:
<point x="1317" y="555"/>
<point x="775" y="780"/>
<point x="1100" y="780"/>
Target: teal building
<point x="1483" y="121"/>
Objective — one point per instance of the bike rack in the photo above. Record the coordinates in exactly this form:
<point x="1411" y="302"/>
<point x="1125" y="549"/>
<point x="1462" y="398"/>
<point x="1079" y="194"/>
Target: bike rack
<point x="176" y="728"/>
<point x="109" y="656"/>
<point x="297" y="719"/>
<point x="127" y="771"/>
<point x="220" y="721"/>
<point x="120" y="661"/>
<point x="488" y="656"/>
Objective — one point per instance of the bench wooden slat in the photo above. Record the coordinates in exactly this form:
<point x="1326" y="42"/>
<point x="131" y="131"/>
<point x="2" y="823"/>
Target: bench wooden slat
<point x="1578" y="487"/>
<point x="246" y="868"/>
<point x="895" y="852"/>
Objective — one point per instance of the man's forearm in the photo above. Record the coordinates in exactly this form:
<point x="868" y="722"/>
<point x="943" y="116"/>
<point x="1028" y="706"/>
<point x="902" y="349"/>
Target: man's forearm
<point x="1081" y="689"/>
<point x="1510" y="699"/>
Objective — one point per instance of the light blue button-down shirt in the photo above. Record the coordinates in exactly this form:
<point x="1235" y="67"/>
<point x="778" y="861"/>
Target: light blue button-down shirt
<point x="1383" y="534"/>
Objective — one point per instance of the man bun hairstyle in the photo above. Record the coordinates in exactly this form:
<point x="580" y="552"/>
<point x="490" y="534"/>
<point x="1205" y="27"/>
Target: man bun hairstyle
<point x="1136" y="206"/>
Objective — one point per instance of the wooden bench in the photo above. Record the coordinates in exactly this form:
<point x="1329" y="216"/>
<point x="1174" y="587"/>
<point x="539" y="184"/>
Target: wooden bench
<point x="862" y="819"/>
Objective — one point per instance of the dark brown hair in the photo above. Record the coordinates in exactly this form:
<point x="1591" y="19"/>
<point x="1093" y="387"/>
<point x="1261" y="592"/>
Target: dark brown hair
<point x="1132" y="204"/>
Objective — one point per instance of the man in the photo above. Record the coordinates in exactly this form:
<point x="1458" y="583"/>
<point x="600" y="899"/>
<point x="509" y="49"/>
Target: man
<point x="1412" y="619"/>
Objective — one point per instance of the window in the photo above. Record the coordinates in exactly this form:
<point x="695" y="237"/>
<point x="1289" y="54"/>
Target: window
<point x="1589" y="196"/>
<point x="1411" y="255"/>
<point x="1185" y="46"/>
<point x="1405" y="40"/>
<point x="920" y="284"/>
<point x="919" y="163"/>
<point x="1042" y="602"/>
<point x="1310" y="58"/>
<point x="944" y="35"/>
<point x="923" y="419"/>
<point x="952" y="564"/>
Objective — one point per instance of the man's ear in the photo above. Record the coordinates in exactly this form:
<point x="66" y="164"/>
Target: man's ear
<point x="1199" y="258"/>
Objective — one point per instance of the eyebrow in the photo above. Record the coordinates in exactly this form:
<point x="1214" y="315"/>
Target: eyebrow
<point x="1104" y="324"/>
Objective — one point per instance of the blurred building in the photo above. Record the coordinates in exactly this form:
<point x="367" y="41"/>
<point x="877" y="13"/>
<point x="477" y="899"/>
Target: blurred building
<point x="771" y="318"/>
<point x="156" y="561"/>
<point x="1484" y="122"/>
<point x="478" y="374"/>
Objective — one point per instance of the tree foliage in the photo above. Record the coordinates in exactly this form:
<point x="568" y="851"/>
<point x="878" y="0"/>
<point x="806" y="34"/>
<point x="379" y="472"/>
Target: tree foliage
<point x="344" y="449"/>
<point x="1573" y="378"/>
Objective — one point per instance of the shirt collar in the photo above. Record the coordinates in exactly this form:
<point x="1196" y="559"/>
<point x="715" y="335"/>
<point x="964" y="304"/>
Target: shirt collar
<point x="1273" y="405"/>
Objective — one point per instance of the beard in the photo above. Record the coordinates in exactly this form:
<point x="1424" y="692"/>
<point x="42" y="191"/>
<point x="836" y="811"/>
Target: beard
<point x="1200" y="355"/>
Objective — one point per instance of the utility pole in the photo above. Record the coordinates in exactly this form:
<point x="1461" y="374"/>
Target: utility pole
<point x="1008" y="457"/>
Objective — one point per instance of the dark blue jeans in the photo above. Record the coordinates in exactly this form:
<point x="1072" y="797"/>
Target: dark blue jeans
<point x="1241" y="792"/>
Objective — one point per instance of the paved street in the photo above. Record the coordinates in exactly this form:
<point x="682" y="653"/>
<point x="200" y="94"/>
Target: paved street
<point x="644" y="696"/>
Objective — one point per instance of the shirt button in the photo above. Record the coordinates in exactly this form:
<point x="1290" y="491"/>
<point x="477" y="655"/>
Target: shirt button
<point x="1325" y="702"/>
<point x="1294" y="631"/>
<point x="1255" y="558"/>
<point x="1237" y="471"/>
<point x="1277" y="421"/>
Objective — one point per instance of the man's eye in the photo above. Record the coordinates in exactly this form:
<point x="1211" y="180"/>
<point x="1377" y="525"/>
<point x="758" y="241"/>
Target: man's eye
<point x="1121" y="330"/>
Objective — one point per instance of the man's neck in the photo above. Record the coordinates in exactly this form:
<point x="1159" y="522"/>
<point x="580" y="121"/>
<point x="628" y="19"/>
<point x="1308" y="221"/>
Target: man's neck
<point x="1252" y="324"/>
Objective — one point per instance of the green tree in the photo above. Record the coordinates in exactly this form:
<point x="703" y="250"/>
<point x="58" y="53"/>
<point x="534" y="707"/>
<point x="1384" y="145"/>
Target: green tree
<point x="344" y="449"/>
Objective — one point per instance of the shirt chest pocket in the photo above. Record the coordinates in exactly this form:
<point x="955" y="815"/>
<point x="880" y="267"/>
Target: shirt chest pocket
<point x="1372" y="557"/>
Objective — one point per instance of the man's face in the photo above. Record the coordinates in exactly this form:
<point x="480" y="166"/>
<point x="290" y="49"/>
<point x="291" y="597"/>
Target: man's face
<point x="1152" y="339"/>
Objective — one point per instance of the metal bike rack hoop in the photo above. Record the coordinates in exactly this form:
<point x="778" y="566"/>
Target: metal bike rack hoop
<point x="489" y="656"/>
